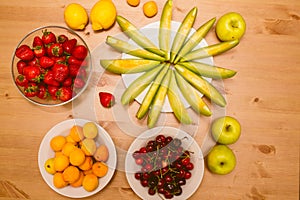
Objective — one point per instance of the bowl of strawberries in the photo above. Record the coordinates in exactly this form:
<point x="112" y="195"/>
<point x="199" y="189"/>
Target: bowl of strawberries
<point x="51" y="66"/>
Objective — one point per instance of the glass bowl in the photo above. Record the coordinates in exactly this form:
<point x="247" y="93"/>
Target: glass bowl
<point x="35" y="93"/>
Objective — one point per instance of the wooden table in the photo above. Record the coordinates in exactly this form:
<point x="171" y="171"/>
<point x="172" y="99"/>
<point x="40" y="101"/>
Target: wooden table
<point x="263" y="96"/>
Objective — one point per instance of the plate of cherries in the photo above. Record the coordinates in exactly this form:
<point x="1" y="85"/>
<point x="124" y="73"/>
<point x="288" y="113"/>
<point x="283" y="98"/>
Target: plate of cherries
<point x="165" y="163"/>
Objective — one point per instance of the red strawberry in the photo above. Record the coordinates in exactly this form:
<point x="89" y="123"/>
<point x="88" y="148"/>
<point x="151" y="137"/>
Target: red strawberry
<point x="52" y="90"/>
<point x="42" y="91"/>
<point x="62" y="38"/>
<point x="78" y="83"/>
<point x="31" y="90"/>
<point x="24" y="52"/>
<point x="64" y="93"/>
<point x="49" y="79"/>
<point x="39" y="51"/>
<point x="55" y="50"/>
<point x="48" y="37"/>
<point x="21" y="80"/>
<point x="32" y="73"/>
<point x="107" y="100"/>
<point x="60" y="71"/>
<point x="80" y="52"/>
<point x="37" y="41"/>
<point x="20" y="66"/>
<point x="46" y="62"/>
<point x="69" y="45"/>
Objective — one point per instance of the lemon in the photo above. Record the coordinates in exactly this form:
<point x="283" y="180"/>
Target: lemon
<point x="103" y="15"/>
<point x="76" y="16"/>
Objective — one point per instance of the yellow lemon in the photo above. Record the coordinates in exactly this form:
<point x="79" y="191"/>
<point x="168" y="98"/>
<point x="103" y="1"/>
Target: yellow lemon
<point x="103" y="15"/>
<point x="76" y="16"/>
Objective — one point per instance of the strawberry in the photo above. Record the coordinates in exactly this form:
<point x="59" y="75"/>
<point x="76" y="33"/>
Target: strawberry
<point x="46" y="62"/>
<point x="52" y="90"/>
<point x="107" y="100"/>
<point x="79" y="52"/>
<point x="24" y="52"/>
<point x="78" y="82"/>
<point x="32" y="73"/>
<point x="69" y="45"/>
<point x="60" y="71"/>
<point x="21" y="80"/>
<point x="48" y="37"/>
<point x="42" y="91"/>
<point x="55" y="50"/>
<point x="62" y="38"/>
<point x="39" y="51"/>
<point x="64" y="93"/>
<point x="49" y="79"/>
<point x="31" y="89"/>
<point x="37" y="41"/>
<point x="20" y="66"/>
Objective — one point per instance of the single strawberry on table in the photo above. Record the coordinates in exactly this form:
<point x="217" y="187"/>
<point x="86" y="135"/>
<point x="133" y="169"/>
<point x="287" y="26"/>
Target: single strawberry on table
<point x="107" y="100"/>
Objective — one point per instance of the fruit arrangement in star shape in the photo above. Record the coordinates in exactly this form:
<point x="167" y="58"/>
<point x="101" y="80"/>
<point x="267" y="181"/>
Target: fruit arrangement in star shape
<point x="78" y="161"/>
<point x="169" y="69"/>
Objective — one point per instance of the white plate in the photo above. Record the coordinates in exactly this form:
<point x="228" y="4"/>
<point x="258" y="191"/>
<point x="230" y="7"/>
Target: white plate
<point x="46" y="152"/>
<point x="188" y="143"/>
<point x="151" y="31"/>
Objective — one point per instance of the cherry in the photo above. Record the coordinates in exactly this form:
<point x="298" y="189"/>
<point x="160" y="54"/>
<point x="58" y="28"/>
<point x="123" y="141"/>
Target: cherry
<point x="160" y="139"/>
<point x="151" y="191"/>
<point x="188" y="175"/>
<point x="144" y="182"/>
<point x="168" y="195"/>
<point x="138" y="175"/>
<point x="143" y="150"/>
<point x="185" y="161"/>
<point x="168" y="178"/>
<point x="139" y="161"/>
<point x="136" y="154"/>
<point x="189" y="166"/>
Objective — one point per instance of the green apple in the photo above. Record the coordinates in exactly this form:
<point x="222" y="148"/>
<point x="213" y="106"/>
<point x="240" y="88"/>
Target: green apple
<point x="226" y="130"/>
<point x="221" y="159"/>
<point x="230" y="26"/>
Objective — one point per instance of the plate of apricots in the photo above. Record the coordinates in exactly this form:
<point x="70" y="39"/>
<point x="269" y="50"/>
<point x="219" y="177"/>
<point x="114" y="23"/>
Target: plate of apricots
<point x="77" y="158"/>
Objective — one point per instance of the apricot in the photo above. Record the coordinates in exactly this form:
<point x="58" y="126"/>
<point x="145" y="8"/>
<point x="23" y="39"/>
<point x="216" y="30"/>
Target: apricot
<point x="101" y="153"/>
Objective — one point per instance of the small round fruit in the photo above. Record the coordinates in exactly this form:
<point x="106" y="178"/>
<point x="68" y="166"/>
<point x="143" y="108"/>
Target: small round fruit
<point x="90" y="130"/>
<point x="226" y="130"/>
<point x="103" y="15"/>
<point x="133" y="3"/>
<point x="71" y="174"/>
<point x="100" y="169"/>
<point x="88" y="146"/>
<point x="90" y="182"/>
<point x="77" y="157"/>
<point x="87" y="164"/>
<point x="150" y="8"/>
<point x="221" y="160"/>
<point x="61" y="162"/>
<point x="58" y="180"/>
<point x="75" y="16"/>
<point x="76" y="133"/>
<point x="78" y="183"/>
<point x="68" y="148"/>
<point x="101" y="153"/>
<point x="49" y="166"/>
<point x="230" y="26"/>
<point x="57" y="142"/>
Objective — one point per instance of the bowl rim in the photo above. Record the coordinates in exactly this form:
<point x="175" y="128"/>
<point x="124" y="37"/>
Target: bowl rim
<point x="89" y="57"/>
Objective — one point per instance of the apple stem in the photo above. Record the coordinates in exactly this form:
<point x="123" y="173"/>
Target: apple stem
<point x="228" y="127"/>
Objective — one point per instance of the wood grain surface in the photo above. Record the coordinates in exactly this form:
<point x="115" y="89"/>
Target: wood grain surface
<point x="264" y="96"/>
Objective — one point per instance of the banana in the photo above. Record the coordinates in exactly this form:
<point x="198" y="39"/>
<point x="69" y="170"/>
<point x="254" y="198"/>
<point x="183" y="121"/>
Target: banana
<point x="128" y="66"/>
<point x="139" y="84"/>
<point x="137" y="36"/>
<point x="194" y="40"/>
<point x="207" y="70"/>
<point x="165" y="28"/>
<point x="125" y="47"/>
<point x="202" y="85"/>
<point x="182" y="32"/>
<point x="159" y="100"/>
<point x="175" y="102"/>
<point x="145" y="105"/>
<point x="211" y="50"/>
<point x="192" y="96"/>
